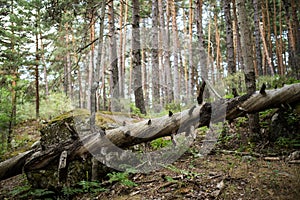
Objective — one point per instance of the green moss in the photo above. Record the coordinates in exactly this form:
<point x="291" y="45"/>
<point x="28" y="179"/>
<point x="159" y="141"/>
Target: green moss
<point x="73" y="113"/>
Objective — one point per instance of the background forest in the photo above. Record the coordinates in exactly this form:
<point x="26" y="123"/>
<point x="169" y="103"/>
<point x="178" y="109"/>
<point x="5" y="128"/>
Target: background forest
<point x="138" y="56"/>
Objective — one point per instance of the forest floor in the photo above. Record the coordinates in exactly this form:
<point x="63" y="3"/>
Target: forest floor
<point x="234" y="170"/>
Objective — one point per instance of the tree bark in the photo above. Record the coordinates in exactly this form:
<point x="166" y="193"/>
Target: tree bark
<point x="136" y="58"/>
<point x="176" y="90"/>
<point x="229" y="38"/>
<point x="257" y="6"/>
<point x="248" y="59"/>
<point x="114" y="79"/>
<point x="154" y="58"/>
<point x="133" y="134"/>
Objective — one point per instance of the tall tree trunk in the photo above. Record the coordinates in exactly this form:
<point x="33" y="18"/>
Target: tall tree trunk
<point x="189" y="87"/>
<point x="229" y="38"/>
<point x="276" y="36"/>
<point x="176" y="89"/>
<point x="121" y="55"/>
<point x="257" y="12"/>
<point x="44" y="66"/>
<point x="37" y="76"/>
<point x="79" y="75"/>
<point x="271" y="68"/>
<point x="68" y="77"/>
<point x="98" y="74"/>
<point x="92" y="84"/>
<point x="281" y="48"/>
<point x="203" y="67"/>
<point x="155" y="60"/>
<point x="239" y="56"/>
<point x="229" y="41"/>
<point x="165" y="50"/>
<point x="248" y="59"/>
<point x="203" y="55"/>
<point x="296" y="28"/>
<point x="218" y="47"/>
<point x="13" y="114"/>
<point x="269" y="39"/>
<point x="144" y="73"/>
<point x="114" y="80"/>
<point x="136" y="57"/>
<point x="291" y="8"/>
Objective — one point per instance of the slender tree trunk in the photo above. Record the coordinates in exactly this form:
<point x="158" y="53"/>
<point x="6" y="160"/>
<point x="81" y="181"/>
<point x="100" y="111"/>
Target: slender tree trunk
<point x="218" y="47"/>
<point x="277" y="44"/>
<point x="239" y="56"/>
<point x="281" y="51"/>
<point x="79" y="75"/>
<point x="296" y="28"/>
<point x="98" y="70"/>
<point x="155" y="60"/>
<point x="229" y="38"/>
<point x="121" y="55"/>
<point x="44" y="66"/>
<point x="92" y="80"/>
<point x="256" y="4"/>
<point x="145" y="73"/>
<point x="203" y="55"/>
<point x="191" y="57"/>
<point x="291" y="8"/>
<point x="68" y="77"/>
<point x="114" y="80"/>
<point x="267" y="52"/>
<point x="13" y="114"/>
<point x="269" y="40"/>
<point x="176" y="89"/>
<point x="37" y="76"/>
<point x="248" y="59"/>
<point x="165" y="50"/>
<point x="136" y="57"/>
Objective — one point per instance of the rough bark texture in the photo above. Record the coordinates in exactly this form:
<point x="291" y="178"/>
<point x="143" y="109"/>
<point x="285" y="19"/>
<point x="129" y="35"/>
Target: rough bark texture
<point x="256" y="5"/>
<point x="136" y="58"/>
<point x="113" y="60"/>
<point x="229" y="38"/>
<point x="244" y="25"/>
<point x="42" y="163"/>
<point x="154" y="58"/>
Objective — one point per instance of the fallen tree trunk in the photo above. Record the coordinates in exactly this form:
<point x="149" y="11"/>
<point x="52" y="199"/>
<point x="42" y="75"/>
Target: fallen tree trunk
<point x="147" y="130"/>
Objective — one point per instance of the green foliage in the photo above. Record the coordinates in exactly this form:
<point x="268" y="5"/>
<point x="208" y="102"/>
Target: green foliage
<point x="17" y="191"/>
<point x="286" y="142"/>
<point x="121" y="177"/>
<point x="134" y="110"/>
<point x="292" y="118"/>
<point x="57" y="103"/>
<point x="228" y="96"/>
<point x="26" y="192"/>
<point x="5" y="107"/>
<point x="188" y="174"/>
<point x="275" y="81"/>
<point x="41" y="193"/>
<point x="170" y="179"/>
<point x="91" y="186"/>
<point x="160" y="143"/>
<point x="241" y="121"/>
<point x="69" y="191"/>
<point x="283" y="142"/>
<point x="174" y="107"/>
<point x="235" y="81"/>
